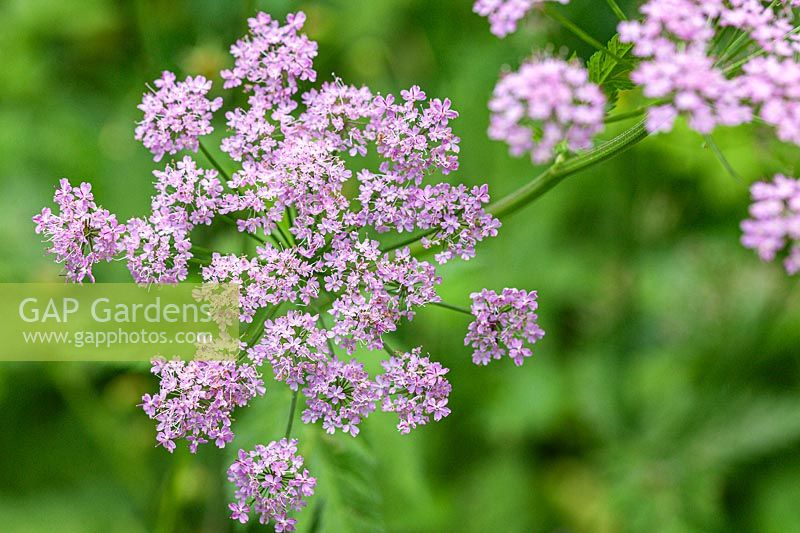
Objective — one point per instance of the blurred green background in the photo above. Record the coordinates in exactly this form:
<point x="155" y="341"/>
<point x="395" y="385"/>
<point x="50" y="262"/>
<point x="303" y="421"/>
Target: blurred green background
<point x="664" y="397"/>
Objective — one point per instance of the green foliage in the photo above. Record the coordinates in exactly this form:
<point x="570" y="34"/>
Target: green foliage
<point x="664" y="397"/>
<point x="612" y="70"/>
<point x="347" y="498"/>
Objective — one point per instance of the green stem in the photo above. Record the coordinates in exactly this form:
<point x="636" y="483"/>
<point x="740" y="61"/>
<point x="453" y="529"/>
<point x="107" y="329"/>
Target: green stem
<point x="619" y="117"/>
<point x="214" y="162"/>
<point x="406" y="242"/>
<point x="199" y="251"/>
<point x="552" y="177"/>
<point x="292" y="409"/>
<point x="560" y="170"/>
<point x="639" y="111"/>
<point x="733" y="49"/>
<point x="290" y="217"/>
<point x="582" y="35"/>
<point x="721" y="157"/>
<point x="735" y="65"/>
<point x="388" y="349"/>
<point x="616" y="9"/>
<point x="456" y="308"/>
<point x="285" y="238"/>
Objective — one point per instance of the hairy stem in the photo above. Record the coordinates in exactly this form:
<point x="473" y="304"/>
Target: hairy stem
<point x="560" y="170"/>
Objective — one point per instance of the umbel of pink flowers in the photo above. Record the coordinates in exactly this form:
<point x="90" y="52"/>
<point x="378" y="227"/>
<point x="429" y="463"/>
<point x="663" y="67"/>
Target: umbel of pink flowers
<point x="550" y="103"/>
<point x="327" y="284"/>
<point x="678" y="64"/>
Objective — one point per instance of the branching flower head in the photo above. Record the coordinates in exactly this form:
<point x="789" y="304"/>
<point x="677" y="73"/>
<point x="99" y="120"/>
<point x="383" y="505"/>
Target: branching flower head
<point x="548" y="102"/>
<point x="271" y="482"/>
<point x="503" y="324"/>
<point x="196" y="400"/>
<point x="775" y="224"/>
<point x="415" y="388"/>
<point x="176" y="114"/>
<point x="504" y="15"/>
<point x="322" y="178"/>
<point x="81" y="234"/>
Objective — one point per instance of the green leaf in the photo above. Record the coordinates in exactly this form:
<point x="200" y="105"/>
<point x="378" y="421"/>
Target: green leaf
<point x="347" y="496"/>
<point x="748" y="429"/>
<point x="610" y="73"/>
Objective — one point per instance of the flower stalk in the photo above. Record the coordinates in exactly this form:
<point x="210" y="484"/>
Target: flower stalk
<point x="556" y="173"/>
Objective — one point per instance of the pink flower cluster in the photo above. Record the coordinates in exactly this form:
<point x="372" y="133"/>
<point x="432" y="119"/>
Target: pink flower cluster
<point x="415" y="388"/>
<point x="504" y="15"/>
<point x="546" y="103"/>
<point x="377" y="291"/>
<point x="271" y="482"/>
<point x="452" y="217"/>
<point x="272" y="59"/>
<point x="775" y="224"/>
<point x="293" y="346"/>
<point x="81" y="234"/>
<point x="158" y="249"/>
<point x="196" y="400"/>
<point x="272" y="277"/>
<point x="772" y="85"/>
<point x="340" y="394"/>
<point x="676" y="39"/>
<point x="176" y="114"/>
<point x="503" y="324"/>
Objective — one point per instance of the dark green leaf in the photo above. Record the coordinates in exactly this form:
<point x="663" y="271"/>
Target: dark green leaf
<point x="610" y="73"/>
<point x="347" y="497"/>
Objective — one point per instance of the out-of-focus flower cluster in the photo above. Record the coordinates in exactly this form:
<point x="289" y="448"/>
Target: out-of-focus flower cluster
<point x="772" y="85"/>
<point x="503" y="324"/>
<point x="504" y="15"/>
<point x="546" y="103"/>
<point x="270" y="482"/>
<point x="685" y="68"/>
<point x="774" y="226"/>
